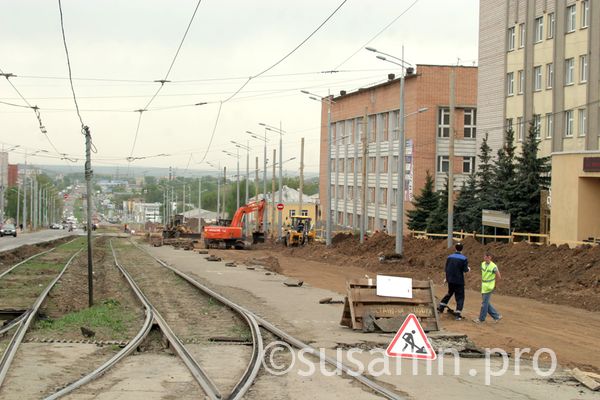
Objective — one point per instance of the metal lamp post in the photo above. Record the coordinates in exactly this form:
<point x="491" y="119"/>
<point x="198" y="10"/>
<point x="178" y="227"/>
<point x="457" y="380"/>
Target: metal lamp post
<point x="237" y="156"/>
<point x="401" y="151"/>
<point x="281" y="132"/>
<point x="264" y="140"/>
<point x="329" y="101"/>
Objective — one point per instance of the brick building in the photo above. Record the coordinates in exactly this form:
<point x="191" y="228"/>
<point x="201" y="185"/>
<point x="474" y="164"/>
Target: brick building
<point x="427" y="142"/>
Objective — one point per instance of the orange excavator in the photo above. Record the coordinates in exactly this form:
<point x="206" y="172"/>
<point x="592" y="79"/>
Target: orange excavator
<point x="233" y="235"/>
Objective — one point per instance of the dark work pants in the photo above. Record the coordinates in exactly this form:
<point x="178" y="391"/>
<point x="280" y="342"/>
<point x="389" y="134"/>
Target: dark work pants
<point x="458" y="291"/>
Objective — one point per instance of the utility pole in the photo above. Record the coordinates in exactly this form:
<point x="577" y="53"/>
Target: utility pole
<point x="237" y="188"/>
<point x="451" y="159"/>
<point x="273" y="196"/>
<point x="200" y="204"/>
<point x="88" y="179"/>
<point x="279" y="217"/>
<point x="328" y="173"/>
<point x="301" y="185"/>
<point x="183" y="205"/>
<point x="25" y="194"/>
<point x="365" y="186"/>
<point x="256" y="191"/>
<point x="224" y="189"/>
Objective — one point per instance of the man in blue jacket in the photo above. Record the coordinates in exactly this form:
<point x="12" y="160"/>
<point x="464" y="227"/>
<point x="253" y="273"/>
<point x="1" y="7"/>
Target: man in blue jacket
<point x="456" y="267"/>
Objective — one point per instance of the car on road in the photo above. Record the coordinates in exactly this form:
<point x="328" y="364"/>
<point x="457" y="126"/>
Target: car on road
<point x="56" y="226"/>
<point x="8" y="230"/>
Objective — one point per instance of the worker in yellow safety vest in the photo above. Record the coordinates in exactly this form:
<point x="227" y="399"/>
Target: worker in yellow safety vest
<point x="489" y="274"/>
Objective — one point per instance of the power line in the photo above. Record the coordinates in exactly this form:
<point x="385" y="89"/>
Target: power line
<point x="377" y="34"/>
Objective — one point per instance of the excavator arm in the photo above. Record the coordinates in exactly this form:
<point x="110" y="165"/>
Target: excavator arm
<point x="247" y="209"/>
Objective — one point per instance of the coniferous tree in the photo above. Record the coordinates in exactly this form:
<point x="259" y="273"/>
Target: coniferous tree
<point x="466" y="213"/>
<point x="437" y="222"/>
<point x="424" y="204"/>
<point x="486" y="190"/>
<point x="532" y="176"/>
<point x="505" y="174"/>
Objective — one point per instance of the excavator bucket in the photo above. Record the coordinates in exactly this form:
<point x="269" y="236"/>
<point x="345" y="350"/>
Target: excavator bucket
<point x="258" y="237"/>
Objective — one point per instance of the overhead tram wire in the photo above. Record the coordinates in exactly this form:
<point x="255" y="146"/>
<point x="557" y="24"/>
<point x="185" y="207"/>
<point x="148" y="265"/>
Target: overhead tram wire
<point x="162" y="81"/>
<point x="267" y="70"/>
<point x="377" y="34"/>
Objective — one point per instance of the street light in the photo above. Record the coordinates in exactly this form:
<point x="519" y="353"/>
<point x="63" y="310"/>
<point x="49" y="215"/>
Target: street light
<point x="281" y="132"/>
<point x="400" y="199"/>
<point x="247" y="148"/>
<point x="328" y="100"/>
<point x="237" y="156"/>
<point x="264" y="140"/>
<point x="218" y="168"/>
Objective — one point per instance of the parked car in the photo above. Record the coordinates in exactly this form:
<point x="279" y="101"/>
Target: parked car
<point x="56" y="226"/>
<point x="8" y="229"/>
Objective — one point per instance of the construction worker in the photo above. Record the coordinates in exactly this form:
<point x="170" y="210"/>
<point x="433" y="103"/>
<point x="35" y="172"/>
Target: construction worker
<point x="489" y="273"/>
<point x="456" y="267"/>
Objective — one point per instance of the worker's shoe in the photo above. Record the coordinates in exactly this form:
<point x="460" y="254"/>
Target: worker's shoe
<point x="478" y="321"/>
<point x="498" y="319"/>
<point x="458" y="317"/>
<point x="441" y="309"/>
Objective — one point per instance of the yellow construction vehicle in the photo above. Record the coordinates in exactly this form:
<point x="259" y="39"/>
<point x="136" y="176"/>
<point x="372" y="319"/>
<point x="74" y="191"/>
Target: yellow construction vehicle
<point x="299" y="232"/>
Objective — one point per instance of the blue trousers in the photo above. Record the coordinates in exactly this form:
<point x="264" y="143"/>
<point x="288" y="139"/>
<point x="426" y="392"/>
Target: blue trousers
<point x="487" y="307"/>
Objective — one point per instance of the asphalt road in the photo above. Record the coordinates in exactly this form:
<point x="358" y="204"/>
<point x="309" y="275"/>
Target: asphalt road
<point x="9" y="242"/>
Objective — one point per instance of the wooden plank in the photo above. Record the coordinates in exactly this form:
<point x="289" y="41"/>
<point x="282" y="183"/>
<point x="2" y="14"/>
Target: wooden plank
<point x="435" y="310"/>
<point x="585" y="380"/>
<point x="394" y="310"/>
<point x="370" y="296"/>
<point x="592" y="375"/>
<point x="364" y="283"/>
<point x="352" y="310"/>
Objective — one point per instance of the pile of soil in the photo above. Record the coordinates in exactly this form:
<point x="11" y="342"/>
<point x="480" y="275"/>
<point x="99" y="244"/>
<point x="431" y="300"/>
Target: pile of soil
<point x="11" y="257"/>
<point x="554" y="274"/>
<point x="269" y="263"/>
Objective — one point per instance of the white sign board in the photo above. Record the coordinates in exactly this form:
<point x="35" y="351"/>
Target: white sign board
<point x="394" y="286"/>
<point x="498" y="219"/>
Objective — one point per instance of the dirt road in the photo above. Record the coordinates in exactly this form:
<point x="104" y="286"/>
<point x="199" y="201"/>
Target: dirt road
<point x="572" y="333"/>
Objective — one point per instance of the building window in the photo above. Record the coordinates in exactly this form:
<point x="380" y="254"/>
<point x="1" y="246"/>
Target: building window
<point x="394" y="197"/>
<point x="582" y="121"/>
<point x="537" y="78"/>
<point x="393" y="122"/>
<point x="333" y="164"/>
<point x="292" y="213"/>
<point x="585" y="13"/>
<point x="508" y="123"/>
<point x="520" y="129"/>
<point x="468" y="165"/>
<point x="569" y="123"/>
<point x="371" y="195"/>
<point x="571" y="18"/>
<point x="569" y="71"/>
<point x="551" y="21"/>
<point x="511" y="38"/>
<point x="341" y="164"/>
<point x="539" y="29"/>
<point x="537" y="124"/>
<point x="470" y="123"/>
<point x="351" y="165"/>
<point x="549" y="125"/>
<point x="583" y="68"/>
<point x="383" y="165"/>
<point x="443" y="163"/>
<point x="371" y="165"/>
<point x="444" y="122"/>
<point x="510" y="83"/>
<point x="383" y="192"/>
<point x="395" y="164"/>
<point x="549" y="75"/>
<point x="350" y="192"/>
<point x="304" y="213"/>
<point x="521" y="83"/>
<point x="521" y="36"/>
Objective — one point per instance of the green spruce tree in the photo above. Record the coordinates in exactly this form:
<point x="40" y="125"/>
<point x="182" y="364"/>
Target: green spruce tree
<point x="486" y="190"/>
<point x="532" y="176"/>
<point x="424" y="204"/>
<point x="437" y="222"/>
<point x="505" y="174"/>
<point x="466" y="213"/>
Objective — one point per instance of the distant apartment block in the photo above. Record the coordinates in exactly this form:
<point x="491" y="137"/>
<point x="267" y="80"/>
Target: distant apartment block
<point x="365" y="141"/>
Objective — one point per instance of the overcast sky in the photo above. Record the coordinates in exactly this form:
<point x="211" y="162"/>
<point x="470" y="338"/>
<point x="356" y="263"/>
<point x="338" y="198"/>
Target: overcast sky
<point x="118" y="48"/>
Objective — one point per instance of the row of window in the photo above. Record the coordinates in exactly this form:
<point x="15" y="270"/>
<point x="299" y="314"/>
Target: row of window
<point x="469" y="119"/>
<point x="443" y="164"/>
<point x="349" y="164"/>
<point x="356" y="193"/>
<point x="538" y="81"/>
<point x="569" y="126"/>
<point x="570" y="23"/>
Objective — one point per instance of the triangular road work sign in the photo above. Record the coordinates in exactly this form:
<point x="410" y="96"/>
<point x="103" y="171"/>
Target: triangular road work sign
<point x="411" y="341"/>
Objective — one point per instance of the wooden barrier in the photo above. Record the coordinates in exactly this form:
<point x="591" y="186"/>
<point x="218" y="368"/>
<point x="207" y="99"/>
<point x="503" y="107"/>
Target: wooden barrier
<point x="362" y="301"/>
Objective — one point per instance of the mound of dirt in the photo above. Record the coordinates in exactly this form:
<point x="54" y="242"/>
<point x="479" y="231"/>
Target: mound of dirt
<point x="269" y="263"/>
<point x="558" y="275"/>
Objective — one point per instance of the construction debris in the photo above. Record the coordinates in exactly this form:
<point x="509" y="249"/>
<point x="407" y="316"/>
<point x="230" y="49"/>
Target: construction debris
<point x="212" y="257"/>
<point x="329" y="300"/>
<point x="250" y="268"/>
<point x="588" y="379"/>
<point x="293" y="283"/>
<point x="230" y="264"/>
<point x="362" y="300"/>
<point x="202" y="251"/>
